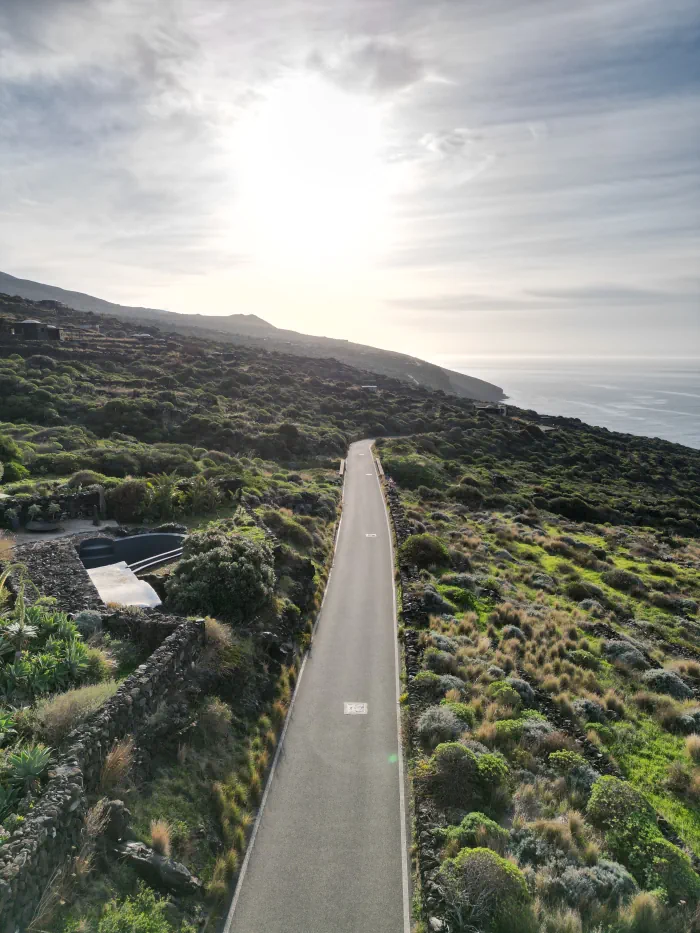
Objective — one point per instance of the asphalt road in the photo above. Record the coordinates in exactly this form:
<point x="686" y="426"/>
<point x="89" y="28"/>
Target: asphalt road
<point x="328" y="856"/>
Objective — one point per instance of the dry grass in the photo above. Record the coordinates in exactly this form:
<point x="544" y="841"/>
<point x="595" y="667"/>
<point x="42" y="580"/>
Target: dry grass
<point x="117" y="765"/>
<point x="58" y="716"/>
<point x="692" y="746"/>
<point x="160" y="837"/>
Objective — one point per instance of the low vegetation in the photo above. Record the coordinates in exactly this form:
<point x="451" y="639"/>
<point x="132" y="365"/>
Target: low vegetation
<point x="552" y="716"/>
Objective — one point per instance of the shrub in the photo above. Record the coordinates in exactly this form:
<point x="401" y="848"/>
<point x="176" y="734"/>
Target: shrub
<point x="455" y="777"/>
<point x="14" y="472"/>
<point x="58" y="716"/>
<point x="481" y="889"/>
<point x="642" y="914"/>
<point x="87" y="478"/>
<point x="437" y="724"/>
<point x="222" y="575"/>
<point x="606" y="882"/>
<point x="633" y="838"/>
<point x="523" y="689"/>
<point x="463" y="712"/>
<point x="88" y="622"/>
<point x="477" y="830"/>
<point x="434" y="686"/>
<point x="505" y="694"/>
<point x="565" y="761"/>
<point x="424" y="550"/>
<point x="129" y="501"/>
<point x="667" y="682"/>
<point x="623" y="580"/>
<point x="215" y="719"/>
<point x="143" y="912"/>
<point x="441" y="662"/>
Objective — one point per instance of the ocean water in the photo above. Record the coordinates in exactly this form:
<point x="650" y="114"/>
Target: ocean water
<point x="652" y="398"/>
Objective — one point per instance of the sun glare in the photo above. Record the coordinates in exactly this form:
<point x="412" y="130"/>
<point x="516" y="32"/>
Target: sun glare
<point x="312" y="186"/>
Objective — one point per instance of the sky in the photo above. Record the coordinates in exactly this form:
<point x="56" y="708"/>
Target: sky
<point x="447" y="178"/>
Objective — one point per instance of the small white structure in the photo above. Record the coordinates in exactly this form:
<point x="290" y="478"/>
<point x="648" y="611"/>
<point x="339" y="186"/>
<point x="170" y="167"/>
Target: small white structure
<point x="116" y="583"/>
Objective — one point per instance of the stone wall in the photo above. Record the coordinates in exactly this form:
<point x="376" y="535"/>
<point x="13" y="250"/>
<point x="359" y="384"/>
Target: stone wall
<point x="53" y="828"/>
<point x="80" y="504"/>
<point x="150" y="627"/>
<point x="56" y="570"/>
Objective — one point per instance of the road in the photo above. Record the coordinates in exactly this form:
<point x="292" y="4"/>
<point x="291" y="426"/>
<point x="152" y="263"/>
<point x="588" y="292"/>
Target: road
<point x="329" y="854"/>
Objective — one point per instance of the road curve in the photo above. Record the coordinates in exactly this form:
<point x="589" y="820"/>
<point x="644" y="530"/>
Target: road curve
<point x="329" y="853"/>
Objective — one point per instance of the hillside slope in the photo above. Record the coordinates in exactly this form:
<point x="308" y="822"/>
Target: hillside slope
<point x="251" y="330"/>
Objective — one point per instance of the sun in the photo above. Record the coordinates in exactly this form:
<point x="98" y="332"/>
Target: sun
<point x="312" y="189"/>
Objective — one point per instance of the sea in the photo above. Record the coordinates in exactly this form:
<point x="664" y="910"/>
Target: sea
<point x="648" y="397"/>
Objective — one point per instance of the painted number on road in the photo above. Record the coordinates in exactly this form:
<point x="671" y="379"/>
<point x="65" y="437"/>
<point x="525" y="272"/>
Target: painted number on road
<point x="355" y="709"/>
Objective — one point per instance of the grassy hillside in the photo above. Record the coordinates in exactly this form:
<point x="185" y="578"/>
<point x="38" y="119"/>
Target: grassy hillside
<point x="551" y="590"/>
<point x="550" y="593"/>
<point x="248" y="329"/>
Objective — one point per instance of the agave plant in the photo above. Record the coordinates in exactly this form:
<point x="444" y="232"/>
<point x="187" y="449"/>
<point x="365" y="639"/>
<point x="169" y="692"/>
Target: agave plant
<point x="28" y="764"/>
<point x="7" y="728"/>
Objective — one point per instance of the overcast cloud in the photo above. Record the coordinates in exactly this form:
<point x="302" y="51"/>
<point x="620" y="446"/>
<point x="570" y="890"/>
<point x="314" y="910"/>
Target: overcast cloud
<point x="542" y="161"/>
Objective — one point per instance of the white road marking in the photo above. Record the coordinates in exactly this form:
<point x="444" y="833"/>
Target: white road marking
<point x="370" y="536"/>
<point x="355" y="709"/>
<point x="369" y="474"/>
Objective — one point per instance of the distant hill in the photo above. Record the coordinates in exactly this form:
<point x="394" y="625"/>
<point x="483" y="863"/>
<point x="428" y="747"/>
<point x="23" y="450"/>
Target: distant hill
<point x="251" y="330"/>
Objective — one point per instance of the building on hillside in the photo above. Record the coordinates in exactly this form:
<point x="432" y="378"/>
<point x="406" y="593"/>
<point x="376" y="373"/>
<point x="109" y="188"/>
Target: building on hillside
<point x="36" y="330"/>
<point x="492" y="408"/>
<point x="51" y="304"/>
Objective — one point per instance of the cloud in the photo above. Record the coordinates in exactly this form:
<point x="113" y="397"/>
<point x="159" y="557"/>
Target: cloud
<point x="547" y="182"/>
<point x="374" y="65"/>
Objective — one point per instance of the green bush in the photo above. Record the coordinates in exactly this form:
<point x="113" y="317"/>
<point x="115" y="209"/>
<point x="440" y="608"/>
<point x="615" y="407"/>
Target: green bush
<point x="482" y="890"/>
<point x="503" y="693"/>
<point x="477" y="829"/>
<point x="412" y="472"/>
<point x="223" y="575"/>
<point x="424" y="551"/>
<point x="462" y="711"/>
<point x="565" y="761"/>
<point x="129" y="501"/>
<point x="633" y="838"/>
<point x="14" y="472"/>
<point x="9" y="449"/>
<point x="460" y="778"/>
<point x="144" y="912"/>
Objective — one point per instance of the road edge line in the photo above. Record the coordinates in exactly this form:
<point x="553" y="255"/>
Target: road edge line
<point x="273" y="767"/>
<point x="405" y="882"/>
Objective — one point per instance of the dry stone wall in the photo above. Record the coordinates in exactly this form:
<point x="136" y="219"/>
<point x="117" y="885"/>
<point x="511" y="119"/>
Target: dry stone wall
<point x="52" y="830"/>
<point x="56" y="570"/>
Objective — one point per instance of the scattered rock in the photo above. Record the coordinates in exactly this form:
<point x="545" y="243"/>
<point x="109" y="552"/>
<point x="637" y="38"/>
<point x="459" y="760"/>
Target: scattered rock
<point x="158" y="870"/>
<point x="119" y="817"/>
<point x="435" y="925"/>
